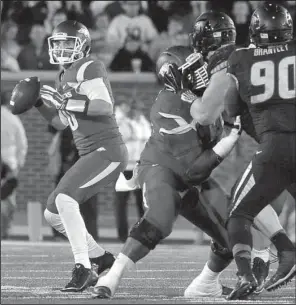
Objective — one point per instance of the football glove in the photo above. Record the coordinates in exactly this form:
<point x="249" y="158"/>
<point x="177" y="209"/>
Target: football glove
<point x="188" y="96"/>
<point x="51" y="95"/>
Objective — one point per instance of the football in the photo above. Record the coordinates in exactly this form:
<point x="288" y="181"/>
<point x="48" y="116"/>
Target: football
<point x="24" y="95"/>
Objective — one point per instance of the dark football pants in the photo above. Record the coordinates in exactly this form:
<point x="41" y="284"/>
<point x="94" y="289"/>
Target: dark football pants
<point x="207" y="209"/>
<point x="292" y="190"/>
<point x="271" y="171"/>
<point x="90" y="174"/>
<point x="161" y="198"/>
<point x="165" y="197"/>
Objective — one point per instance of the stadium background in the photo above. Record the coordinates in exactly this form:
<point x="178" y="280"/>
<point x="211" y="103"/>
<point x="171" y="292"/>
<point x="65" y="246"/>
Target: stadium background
<point x="35" y="182"/>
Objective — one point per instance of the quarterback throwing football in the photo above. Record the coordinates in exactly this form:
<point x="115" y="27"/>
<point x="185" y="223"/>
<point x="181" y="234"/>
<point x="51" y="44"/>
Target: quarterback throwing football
<point x="82" y="99"/>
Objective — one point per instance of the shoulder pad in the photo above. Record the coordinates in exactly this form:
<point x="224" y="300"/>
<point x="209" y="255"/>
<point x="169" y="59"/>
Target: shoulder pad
<point x="91" y="69"/>
<point x="236" y="59"/>
<point x="168" y="100"/>
<point x="218" y="60"/>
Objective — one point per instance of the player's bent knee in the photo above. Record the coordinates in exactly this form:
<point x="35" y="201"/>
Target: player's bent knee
<point x="146" y="233"/>
<point x="163" y="224"/>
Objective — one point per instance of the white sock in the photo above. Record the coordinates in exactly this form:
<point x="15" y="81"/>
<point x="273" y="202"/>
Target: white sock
<point x="54" y="220"/>
<point x="263" y="254"/>
<point x="75" y="228"/>
<point x="121" y="264"/>
<point x="94" y="250"/>
<point x="208" y="275"/>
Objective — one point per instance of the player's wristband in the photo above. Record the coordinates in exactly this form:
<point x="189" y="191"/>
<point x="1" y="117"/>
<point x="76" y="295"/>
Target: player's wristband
<point x="225" y="145"/>
<point x="219" y="159"/>
<point x="39" y="102"/>
<point x="76" y="105"/>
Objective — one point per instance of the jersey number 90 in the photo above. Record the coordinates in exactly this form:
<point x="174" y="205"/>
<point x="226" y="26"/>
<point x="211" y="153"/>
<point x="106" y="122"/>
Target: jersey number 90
<point x="272" y="72"/>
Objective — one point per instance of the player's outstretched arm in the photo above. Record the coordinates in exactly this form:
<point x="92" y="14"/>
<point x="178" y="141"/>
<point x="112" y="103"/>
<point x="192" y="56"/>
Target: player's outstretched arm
<point x="232" y="101"/>
<point x="209" y="107"/>
<point x="203" y="166"/>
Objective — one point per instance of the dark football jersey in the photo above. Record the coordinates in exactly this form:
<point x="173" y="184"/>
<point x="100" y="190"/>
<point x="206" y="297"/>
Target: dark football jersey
<point x="218" y="60"/>
<point x="176" y="139"/>
<point x="89" y="132"/>
<point x="266" y="80"/>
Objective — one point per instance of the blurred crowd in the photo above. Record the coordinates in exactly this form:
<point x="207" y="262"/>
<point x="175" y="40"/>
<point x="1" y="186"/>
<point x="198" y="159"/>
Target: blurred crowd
<point x="126" y="35"/>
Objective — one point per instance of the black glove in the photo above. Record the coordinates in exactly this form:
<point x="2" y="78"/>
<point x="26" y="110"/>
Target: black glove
<point x="202" y="167"/>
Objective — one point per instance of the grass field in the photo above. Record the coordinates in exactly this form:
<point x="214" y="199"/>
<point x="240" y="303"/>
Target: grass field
<point x="33" y="273"/>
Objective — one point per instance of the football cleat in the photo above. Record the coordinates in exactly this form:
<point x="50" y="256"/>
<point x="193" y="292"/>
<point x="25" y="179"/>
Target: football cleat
<point x="260" y="271"/>
<point x="226" y="290"/>
<point x="201" y="288"/>
<point x="101" y="292"/>
<point x="106" y="286"/>
<point x="285" y="272"/>
<point x="101" y="263"/>
<point x="246" y="284"/>
<point x="82" y="278"/>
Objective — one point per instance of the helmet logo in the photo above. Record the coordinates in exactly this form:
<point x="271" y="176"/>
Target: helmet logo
<point x="165" y="68"/>
<point x="84" y="31"/>
<point x="198" y="27"/>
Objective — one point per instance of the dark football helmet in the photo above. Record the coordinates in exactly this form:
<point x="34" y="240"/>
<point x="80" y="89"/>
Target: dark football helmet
<point x="70" y="41"/>
<point x="178" y="68"/>
<point x="211" y="30"/>
<point x="270" y="24"/>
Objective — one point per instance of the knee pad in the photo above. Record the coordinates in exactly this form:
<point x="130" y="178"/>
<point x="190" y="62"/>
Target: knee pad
<point x="223" y="253"/>
<point x="54" y="220"/>
<point x="146" y="233"/>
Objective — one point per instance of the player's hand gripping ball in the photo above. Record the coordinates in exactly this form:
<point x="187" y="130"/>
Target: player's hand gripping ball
<point x="24" y="95"/>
